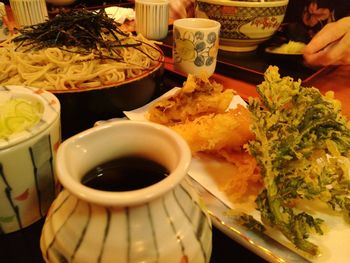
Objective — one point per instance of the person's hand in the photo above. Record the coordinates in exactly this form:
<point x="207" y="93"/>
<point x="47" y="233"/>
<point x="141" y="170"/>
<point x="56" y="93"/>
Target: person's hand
<point x="181" y="8"/>
<point x="331" y="45"/>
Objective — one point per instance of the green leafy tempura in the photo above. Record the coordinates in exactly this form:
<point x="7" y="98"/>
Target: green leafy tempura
<point x="302" y="147"/>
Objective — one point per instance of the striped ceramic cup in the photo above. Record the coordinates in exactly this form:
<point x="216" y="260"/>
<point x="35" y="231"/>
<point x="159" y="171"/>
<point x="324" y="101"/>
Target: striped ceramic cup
<point x="152" y="17"/>
<point x="30" y="133"/>
<point x="163" y="222"/>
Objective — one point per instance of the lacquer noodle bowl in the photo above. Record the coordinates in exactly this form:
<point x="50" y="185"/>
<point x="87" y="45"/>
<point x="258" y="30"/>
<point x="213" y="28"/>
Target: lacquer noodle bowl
<point x="85" y="102"/>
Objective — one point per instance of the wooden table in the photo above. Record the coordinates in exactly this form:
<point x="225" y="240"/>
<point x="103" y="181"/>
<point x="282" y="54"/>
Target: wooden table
<point x="337" y="79"/>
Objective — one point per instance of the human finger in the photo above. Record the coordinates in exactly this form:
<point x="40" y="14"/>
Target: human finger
<point x="334" y="54"/>
<point x="328" y="34"/>
<point x="323" y="38"/>
<point x="340" y="51"/>
<point x="321" y="57"/>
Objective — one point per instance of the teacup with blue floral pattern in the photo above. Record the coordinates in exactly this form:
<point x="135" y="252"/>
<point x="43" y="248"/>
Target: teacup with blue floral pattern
<point x="195" y="46"/>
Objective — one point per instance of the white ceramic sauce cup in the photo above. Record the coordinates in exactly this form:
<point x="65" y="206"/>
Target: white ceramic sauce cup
<point x="163" y="222"/>
<point x="80" y="153"/>
<point x="195" y="46"/>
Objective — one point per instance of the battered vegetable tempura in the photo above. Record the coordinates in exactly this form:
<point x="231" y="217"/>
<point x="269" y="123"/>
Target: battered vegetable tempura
<point x="198" y="112"/>
<point x="223" y="135"/>
<point x="198" y="97"/>
<point x="302" y="146"/>
<point x="217" y="131"/>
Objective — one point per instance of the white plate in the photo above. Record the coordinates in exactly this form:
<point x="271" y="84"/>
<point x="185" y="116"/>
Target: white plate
<point x="272" y="246"/>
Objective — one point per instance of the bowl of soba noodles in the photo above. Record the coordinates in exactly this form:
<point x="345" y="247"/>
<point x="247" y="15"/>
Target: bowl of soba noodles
<point x="94" y="68"/>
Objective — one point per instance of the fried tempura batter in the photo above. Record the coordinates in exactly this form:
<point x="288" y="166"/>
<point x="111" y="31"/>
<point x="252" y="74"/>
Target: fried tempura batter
<point x="197" y="97"/>
<point x="217" y="131"/>
<point x="198" y="112"/>
<point x="248" y="180"/>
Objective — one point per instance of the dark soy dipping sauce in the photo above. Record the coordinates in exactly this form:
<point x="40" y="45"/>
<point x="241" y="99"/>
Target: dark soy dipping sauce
<point x="125" y="174"/>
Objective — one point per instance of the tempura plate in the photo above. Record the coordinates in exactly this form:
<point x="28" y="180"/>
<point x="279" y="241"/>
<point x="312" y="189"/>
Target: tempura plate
<point x="205" y="172"/>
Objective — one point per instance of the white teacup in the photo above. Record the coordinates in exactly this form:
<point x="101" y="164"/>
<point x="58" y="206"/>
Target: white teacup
<point x="196" y="43"/>
<point x="152" y="18"/>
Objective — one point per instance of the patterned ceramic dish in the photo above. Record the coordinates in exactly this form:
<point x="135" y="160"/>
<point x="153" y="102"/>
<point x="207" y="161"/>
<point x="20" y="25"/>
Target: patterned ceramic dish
<point x="27" y="181"/>
<point x="244" y="24"/>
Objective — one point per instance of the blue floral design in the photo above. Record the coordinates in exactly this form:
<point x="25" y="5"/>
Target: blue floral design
<point x="194" y="47"/>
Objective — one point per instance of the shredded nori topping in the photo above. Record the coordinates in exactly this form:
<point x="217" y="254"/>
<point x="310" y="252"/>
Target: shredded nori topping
<point x="78" y="28"/>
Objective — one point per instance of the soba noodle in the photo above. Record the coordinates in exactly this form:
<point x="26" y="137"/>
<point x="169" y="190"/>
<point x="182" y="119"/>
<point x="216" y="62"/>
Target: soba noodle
<point x="66" y="68"/>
